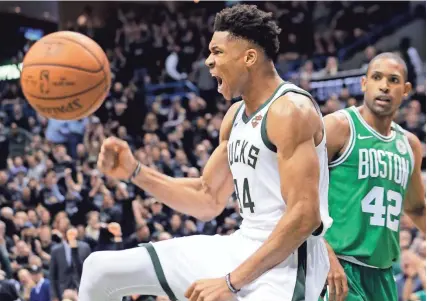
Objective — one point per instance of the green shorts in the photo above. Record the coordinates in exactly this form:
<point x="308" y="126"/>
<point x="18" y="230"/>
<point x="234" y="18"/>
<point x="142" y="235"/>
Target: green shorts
<point x="368" y="284"/>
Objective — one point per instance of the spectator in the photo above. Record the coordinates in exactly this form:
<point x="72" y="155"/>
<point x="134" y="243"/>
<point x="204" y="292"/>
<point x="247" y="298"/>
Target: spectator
<point x="7" y="289"/>
<point x="141" y="235"/>
<point x="67" y="263"/>
<point x="41" y="292"/>
<point x="171" y="64"/>
<point x="19" y="139"/>
<point x="370" y="52"/>
<point x="408" y="281"/>
<point x="27" y="284"/>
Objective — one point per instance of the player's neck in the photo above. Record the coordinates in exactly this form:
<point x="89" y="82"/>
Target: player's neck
<point x="259" y="90"/>
<point x="382" y="124"/>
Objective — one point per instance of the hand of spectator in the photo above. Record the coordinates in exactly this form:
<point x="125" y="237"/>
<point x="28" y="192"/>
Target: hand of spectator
<point x="189" y="225"/>
<point x="15" y="239"/>
<point x="116" y="159"/>
<point x="15" y="266"/>
<point x="411" y="271"/>
<point x="70" y="294"/>
<point x="67" y="172"/>
<point x="115" y="229"/>
<point x="159" y="227"/>
<point x="72" y="237"/>
<point x="9" y="162"/>
<point x="38" y="246"/>
<point x="57" y="233"/>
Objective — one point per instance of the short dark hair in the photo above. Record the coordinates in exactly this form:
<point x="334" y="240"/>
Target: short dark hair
<point x="393" y="56"/>
<point x="250" y="23"/>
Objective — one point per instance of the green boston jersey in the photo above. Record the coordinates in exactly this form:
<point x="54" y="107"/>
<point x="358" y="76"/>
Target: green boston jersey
<point x="368" y="183"/>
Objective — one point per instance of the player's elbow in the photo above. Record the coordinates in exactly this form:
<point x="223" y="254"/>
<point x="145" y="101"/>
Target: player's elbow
<point x="312" y="222"/>
<point x="308" y="218"/>
<point x="417" y="210"/>
<point x="210" y="213"/>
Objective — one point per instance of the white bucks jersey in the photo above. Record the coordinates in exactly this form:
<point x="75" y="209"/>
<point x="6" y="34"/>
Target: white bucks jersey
<point x="254" y="165"/>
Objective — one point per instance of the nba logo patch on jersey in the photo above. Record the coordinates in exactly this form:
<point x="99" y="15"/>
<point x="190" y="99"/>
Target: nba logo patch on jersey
<point x="256" y="120"/>
<point x="401" y="147"/>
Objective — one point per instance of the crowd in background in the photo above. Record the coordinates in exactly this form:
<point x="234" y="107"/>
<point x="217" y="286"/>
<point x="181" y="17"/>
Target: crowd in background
<point x="56" y="208"/>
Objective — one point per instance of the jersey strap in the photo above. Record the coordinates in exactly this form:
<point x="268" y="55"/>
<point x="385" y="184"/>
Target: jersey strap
<point x="351" y="141"/>
<point x="246" y="118"/>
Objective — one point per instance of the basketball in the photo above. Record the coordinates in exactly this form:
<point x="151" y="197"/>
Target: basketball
<point x="65" y="76"/>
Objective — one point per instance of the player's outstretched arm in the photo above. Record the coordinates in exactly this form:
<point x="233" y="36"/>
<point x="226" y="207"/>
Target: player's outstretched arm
<point x="291" y="126"/>
<point x="415" y="200"/>
<point x="203" y="198"/>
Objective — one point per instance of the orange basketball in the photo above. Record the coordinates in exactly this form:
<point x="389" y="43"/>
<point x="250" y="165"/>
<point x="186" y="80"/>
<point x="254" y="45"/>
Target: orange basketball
<point x="66" y="76"/>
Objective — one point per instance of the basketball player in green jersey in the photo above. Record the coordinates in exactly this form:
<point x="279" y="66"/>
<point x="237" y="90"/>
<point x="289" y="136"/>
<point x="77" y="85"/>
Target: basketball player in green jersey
<point x="375" y="176"/>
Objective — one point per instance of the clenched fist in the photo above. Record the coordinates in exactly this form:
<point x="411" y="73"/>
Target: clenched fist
<point x="116" y="159"/>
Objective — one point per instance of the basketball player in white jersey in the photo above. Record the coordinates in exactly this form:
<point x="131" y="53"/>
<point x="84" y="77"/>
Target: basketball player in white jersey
<point x="271" y="153"/>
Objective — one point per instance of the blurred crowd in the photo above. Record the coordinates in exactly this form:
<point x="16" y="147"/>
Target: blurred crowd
<point x="56" y="208"/>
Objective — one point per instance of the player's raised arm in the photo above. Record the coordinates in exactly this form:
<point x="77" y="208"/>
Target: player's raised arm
<point x="415" y="201"/>
<point x="291" y="126"/>
<point x="203" y="198"/>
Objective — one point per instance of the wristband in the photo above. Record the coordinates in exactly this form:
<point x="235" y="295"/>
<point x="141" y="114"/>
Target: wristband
<point x="135" y="172"/>
<point x="230" y="286"/>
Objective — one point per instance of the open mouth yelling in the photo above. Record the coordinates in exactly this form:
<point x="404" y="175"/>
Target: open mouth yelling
<point x="219" y="81"/>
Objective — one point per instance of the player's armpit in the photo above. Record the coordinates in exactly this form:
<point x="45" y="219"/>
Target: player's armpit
<point x="415" y="202"/>
<point x="203" y="198"/>
<point x="337" y="134"/>
<point x="292" y="124"/>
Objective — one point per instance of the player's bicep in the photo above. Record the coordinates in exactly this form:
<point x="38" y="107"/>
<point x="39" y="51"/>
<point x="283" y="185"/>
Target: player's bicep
<point x="217" y="179"/>
<point x="292" y="129"/>
<point x="337" y="133"/>
<point x="299" y="174"/>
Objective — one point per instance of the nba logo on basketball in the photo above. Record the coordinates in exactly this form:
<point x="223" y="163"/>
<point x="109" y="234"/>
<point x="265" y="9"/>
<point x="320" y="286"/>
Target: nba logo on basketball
<point x="256" y="120"/>
<point x="44" y="82"/>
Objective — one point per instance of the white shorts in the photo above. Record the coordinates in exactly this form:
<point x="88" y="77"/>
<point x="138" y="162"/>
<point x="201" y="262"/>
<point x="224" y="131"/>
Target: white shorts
<point x="181" y="261"/>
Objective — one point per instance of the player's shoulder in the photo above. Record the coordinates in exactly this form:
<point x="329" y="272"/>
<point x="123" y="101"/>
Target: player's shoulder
<point x="292" y="117"/>
<point x="413" y="140"/>
<point x="232" y="110"/>
<point x="338" y="119"/>
<point x="294" y="106"/>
